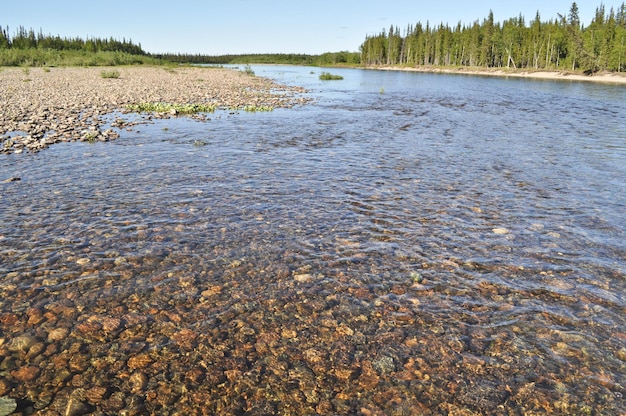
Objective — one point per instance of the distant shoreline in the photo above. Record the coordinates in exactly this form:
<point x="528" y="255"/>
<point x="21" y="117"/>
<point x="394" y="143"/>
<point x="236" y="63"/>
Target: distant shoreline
<point x="607" y="78"/>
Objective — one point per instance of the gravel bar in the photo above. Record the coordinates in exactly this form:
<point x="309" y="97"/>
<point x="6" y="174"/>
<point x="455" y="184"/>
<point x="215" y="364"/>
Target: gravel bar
<point x="42" y="106"/>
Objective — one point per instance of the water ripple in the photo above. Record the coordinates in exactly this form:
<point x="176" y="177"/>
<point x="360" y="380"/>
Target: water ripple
<point x="431" y="227"/>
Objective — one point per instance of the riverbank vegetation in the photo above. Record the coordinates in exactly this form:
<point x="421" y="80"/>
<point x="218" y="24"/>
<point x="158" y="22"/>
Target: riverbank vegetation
<point x="561" y="43"/>
<point x="27" y="48"/>
<point x="325" y="59"/>
<point x="327" y="76"/>
<point x="53" y="57"/>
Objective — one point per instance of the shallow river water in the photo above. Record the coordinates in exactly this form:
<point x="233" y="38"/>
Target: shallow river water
<point x="406" y="244"/>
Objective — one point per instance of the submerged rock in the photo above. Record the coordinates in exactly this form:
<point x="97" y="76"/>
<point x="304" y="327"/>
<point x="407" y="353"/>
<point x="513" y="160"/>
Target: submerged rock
<point x="384" y="364"/>
<point x="7" y="405"/>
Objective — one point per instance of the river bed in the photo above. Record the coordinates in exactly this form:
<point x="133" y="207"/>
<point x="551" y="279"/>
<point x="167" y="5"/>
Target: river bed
<point x="408" y="243"/>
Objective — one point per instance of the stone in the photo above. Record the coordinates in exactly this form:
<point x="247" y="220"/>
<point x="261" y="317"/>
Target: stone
<point x="24" y="374"/>
<point x="22" y="343"/>
<point x="7" y="406"/>
<point x="303" y="278"/>
<point x="384" y="364"/>
<point x="57" y="334"/>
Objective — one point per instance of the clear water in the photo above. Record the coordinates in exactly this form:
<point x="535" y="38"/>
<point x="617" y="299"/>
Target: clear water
<point x="408" y="243"/>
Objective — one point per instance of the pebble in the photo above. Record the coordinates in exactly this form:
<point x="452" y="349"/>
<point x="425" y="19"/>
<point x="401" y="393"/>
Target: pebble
<point x="384" y="364"/>
<point x="57" y="334"/>
<point x="120" y="260"/>
<point x="25" y="374"/>
<point x="22" y="343"/>
<point x="303" y="278"/>
<point x="7" y="406"/>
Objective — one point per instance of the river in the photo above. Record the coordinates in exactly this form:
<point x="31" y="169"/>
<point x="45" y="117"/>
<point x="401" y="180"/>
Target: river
<point x="408" y="243"/>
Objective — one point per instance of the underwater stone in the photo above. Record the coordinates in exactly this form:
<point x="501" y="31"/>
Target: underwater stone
<point x="7" y="406"/>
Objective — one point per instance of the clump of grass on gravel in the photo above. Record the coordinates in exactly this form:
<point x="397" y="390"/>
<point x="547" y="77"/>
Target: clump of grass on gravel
<point x="253" y="108"/>
<point x="171" y="108"/>
<point x="110" y="74"/>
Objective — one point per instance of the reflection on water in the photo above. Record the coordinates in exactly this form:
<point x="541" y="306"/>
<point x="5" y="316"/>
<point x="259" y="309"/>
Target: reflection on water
<point x="409" y="243"/>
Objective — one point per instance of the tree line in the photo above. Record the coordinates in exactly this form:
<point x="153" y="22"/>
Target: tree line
<point x="328" y="58"/>
<point x="24" y="39"/>
<point x="25" y="47"/>
<point x="293" y="59"/>
<point x="561" y="43"/>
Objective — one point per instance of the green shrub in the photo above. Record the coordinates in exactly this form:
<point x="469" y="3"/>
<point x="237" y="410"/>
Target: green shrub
<point x="327" y="76"/>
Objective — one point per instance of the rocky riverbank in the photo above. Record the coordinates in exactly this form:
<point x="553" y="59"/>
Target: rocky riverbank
<point x="43" y="106"/>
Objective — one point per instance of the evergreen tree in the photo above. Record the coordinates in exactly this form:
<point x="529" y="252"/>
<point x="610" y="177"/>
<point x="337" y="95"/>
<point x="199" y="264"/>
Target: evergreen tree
<point x="536" y="40"/>
<point x="573" y="17"/>
<point x="617" y="55"/>
<point x="5" y="43"/>
<point x="487" y="50"/>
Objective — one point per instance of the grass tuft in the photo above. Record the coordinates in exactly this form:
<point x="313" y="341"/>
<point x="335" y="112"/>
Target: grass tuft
<point x="254" y="108"/>
<point x="171" y="108"/>
<point x="259" y="108"/>
<point x="248" y="70"/>
<point x="110" y="74"/>
<point x="327" y="76"/>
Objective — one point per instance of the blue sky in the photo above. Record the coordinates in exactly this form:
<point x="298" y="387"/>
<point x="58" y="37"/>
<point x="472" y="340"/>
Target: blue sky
<point x="216" y="27"/>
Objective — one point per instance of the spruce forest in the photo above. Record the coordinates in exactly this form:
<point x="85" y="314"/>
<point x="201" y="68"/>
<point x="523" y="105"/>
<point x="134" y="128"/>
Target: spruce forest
<point x="27" y="48"/>
<point x="558" y="44"/>
<point x="27" y="39"/>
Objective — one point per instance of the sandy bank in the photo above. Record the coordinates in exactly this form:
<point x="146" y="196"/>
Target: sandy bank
<point x="40" y="107"/>
<point x="609" y="78"/>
